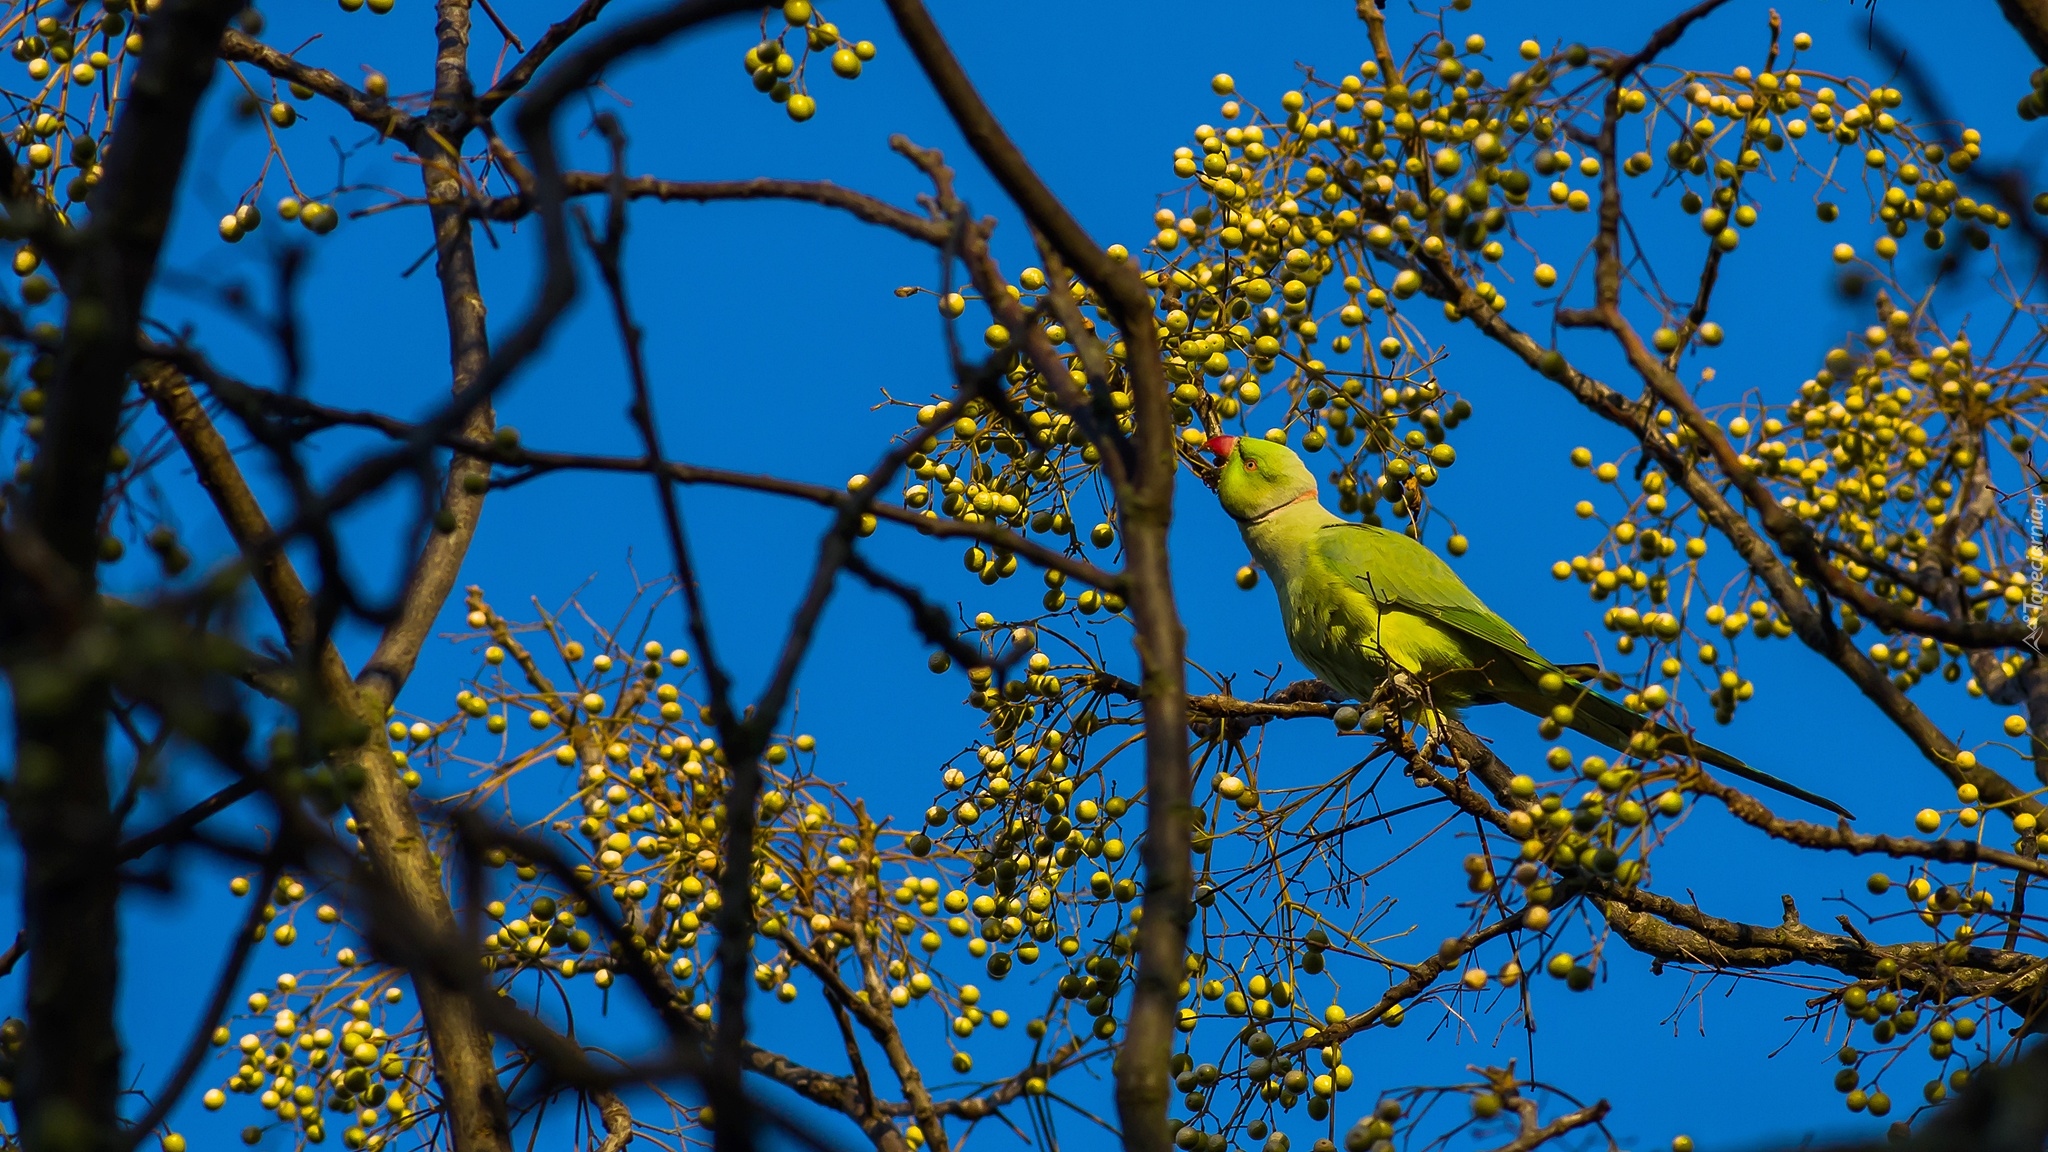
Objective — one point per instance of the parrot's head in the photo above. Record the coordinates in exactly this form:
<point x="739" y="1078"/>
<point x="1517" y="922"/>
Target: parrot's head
<point x="1255" y="476"/>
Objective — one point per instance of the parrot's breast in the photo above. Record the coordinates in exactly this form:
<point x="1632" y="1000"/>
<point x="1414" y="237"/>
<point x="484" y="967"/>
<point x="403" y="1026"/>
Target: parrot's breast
<point x="1335" y="633"/>
<point x="1354" y="644"/>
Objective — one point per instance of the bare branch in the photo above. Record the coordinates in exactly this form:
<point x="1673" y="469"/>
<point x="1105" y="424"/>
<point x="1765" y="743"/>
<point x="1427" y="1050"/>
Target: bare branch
<point x="540" y="462"/>
<point x="618" y="1121"/>
<point x="180" y="826"/>
<point x="820" y="192"/>
<point x="240" y="512"/>
<point x="239" y="48"/>
<point x="1531" y="1139"/>
<point x="558" y="34"/>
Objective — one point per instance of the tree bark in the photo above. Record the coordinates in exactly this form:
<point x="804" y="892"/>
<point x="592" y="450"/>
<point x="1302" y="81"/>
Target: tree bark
<point x="393" y="839"/>
<point x="68" y="1097"/>
<point x="2030" y="19"/>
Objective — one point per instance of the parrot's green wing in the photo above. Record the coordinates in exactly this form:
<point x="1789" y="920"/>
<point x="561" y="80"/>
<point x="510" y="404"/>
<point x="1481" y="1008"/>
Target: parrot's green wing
<point x="1400" y="573"/>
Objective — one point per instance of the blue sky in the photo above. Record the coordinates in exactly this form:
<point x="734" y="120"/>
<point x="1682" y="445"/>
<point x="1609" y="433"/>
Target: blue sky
<point x="773" y="330"/>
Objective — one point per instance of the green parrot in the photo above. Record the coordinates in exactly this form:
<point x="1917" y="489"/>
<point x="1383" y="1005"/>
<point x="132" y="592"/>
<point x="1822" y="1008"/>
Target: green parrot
<point x="1362" y="603"/>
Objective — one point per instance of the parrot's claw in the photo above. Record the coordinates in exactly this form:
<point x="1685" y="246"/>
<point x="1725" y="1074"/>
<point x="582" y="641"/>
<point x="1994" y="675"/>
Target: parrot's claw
<point x="1432" y="736"/>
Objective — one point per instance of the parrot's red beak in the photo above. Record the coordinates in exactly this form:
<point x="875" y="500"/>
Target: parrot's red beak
<point x="1222" y="447"/>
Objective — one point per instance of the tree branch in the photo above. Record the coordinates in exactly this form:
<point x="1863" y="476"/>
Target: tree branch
<point x="1532" y="1138"/>
<point x="213" y="462"/>
<point x="821" y="192"/>
<point x="178" y="827"/>
<point x="558" y="34"/>
<point x="1812" y="626"/>
<point x="1146" y="507"/>
<point x="238" y="48"/>
<point x="2030" y="19"/>
<point x="70" y="1086"/>
<point x="538" y="462"/>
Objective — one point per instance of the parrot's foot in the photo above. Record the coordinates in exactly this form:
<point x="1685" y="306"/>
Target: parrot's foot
<point x="1422" y="766"/>
<point x="1425" y="753"/>
<point x="1404" y="695"/>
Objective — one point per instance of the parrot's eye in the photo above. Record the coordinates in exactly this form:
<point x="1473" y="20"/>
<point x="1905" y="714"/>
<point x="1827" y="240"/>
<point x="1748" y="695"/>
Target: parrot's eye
<point x="1251" y="465"/>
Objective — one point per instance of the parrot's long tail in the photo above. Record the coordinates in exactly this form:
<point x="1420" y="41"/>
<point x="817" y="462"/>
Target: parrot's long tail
<point x="1612" y="724"/>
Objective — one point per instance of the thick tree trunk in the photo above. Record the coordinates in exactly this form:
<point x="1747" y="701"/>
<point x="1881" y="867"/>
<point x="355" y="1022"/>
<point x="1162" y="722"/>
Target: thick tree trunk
<point x="397" y="849"/>
<point x="70" y="1089"/>
<point x="392" y="836"/>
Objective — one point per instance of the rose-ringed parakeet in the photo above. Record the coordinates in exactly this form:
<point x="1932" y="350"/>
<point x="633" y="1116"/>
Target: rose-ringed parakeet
<point x="1361" y="603"/>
